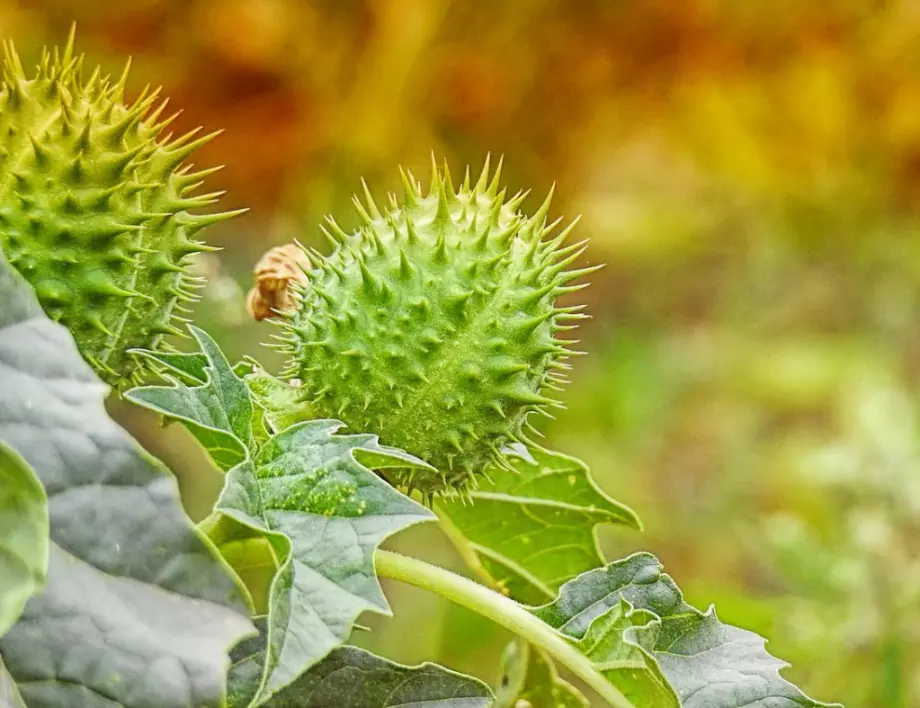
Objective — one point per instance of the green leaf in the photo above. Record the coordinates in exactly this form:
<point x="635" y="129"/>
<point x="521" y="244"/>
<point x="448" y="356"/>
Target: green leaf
<point x="529" y="675"/>
<point x="620" y="643"/>
<point x="218" y="411"/>
<point x="23" y="536"/>
<point x="529" y="531"/>
<point x="632" y="621"/>
<point x="137" y="609"/>
<point x="300" y="514"/>
<point x="324" y="513"/>
<point x="358" y="679"/>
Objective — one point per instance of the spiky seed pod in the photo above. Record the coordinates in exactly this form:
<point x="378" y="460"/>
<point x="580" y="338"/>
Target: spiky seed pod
<point x="433" y="325"/>
<point x="96" y="210"/>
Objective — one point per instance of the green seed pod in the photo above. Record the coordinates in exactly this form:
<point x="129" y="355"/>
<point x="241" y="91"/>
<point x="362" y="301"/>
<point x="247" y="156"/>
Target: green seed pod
<point x="95" y="207"/>
<point x="433" y="326"/>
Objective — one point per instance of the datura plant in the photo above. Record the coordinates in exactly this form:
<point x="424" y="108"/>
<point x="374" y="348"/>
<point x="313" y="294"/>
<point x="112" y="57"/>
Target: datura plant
<point x="421" y="347"/>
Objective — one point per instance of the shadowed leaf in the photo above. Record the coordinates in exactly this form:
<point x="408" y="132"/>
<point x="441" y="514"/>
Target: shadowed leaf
<point x="137" y="609"/>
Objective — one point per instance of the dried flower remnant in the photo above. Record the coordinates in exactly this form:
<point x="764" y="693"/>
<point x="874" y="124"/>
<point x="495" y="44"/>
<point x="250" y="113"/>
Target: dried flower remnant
<point x="277" y="275"/>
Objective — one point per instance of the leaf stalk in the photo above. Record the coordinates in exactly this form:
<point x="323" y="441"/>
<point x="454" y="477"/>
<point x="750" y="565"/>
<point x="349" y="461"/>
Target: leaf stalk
<point x="501" y="610"/>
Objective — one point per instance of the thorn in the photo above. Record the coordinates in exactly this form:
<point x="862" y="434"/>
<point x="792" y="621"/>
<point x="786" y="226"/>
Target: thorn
<point x="538" y="220"/>
<point x="448" y="184"/>
<point x="410" y="194"/>
<point x="336" y="229"/>
<point x="406" y="269"/>
<point x="440" y="248"/>
<point x="371" y="205"/>
<point x="412" y="237"/>
<point x="370" y="282"/>
<point x="483" y="183"/>
<point x="333" y="241"/>
<point x="362" y="212"/>
<point x="496" y="179"/>
<point x="41" y="152"/>
<point x="570" y="275"/>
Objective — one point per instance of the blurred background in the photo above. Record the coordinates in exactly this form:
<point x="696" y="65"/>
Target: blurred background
<point x="749" y="170"/>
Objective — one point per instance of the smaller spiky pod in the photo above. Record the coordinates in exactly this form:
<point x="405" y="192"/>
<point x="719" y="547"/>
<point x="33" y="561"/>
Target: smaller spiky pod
<point x="433" y="326"/>
<point x="95" y="207"/>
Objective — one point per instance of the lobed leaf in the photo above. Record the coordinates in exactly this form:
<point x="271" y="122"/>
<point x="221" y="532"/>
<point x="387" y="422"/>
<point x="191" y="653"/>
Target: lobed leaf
<point x="356" y="678"/>
<point x="324" y="512"/>
<point x="137" y="609"/>
<point x="632" y="621"/>
<point x="530" y="530"/>
<point x="302" y="508"/>
<point x="23" y="536"/>
<point x="218" y="411"/>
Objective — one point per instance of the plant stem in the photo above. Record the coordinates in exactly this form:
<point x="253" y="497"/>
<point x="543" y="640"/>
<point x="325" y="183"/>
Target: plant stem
<point x="501" y="610"/>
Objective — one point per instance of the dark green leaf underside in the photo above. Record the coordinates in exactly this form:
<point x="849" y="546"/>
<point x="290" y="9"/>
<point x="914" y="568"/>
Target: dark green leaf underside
<point x="358" y="679"/>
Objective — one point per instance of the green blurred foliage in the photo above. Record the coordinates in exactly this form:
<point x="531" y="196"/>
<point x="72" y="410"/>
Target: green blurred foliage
<point x="750" y="172"/>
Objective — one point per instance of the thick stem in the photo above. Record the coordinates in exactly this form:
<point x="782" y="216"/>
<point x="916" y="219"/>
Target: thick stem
<point x="500" y="610"/>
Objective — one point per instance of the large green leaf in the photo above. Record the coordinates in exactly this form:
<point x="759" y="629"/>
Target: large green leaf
<point x="529" y="675"/>
<point x="632" y="621"/>
<point x="303" y="505"/>
<point x="324" y="512"/>
<point x="358" y="679"/>
<point x="530" y="530"/>
<point x="23" y="536"/>
<point x="137" y="609"/>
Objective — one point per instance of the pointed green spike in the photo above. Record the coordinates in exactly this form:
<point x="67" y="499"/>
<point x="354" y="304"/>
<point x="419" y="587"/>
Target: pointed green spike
<point x="483" y="183"/>
<point x="410" y="191"/>
<point x="492" y="191"/>
<point x="571" y="275"/>
<point x="333" y="241"/>
<point x="336" y="230"/>
<point x="406" y="269"/>
<point x="437" y="184"/>
<point x="371" y="205"/>
<point x="572" y="254"/>
<point x="362" y="212"/>
<point x="449" y="186"/>
<point x="539" y="219"/>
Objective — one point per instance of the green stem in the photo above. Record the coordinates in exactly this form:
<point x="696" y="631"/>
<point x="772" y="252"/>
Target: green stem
<point x="501" y="610"/>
